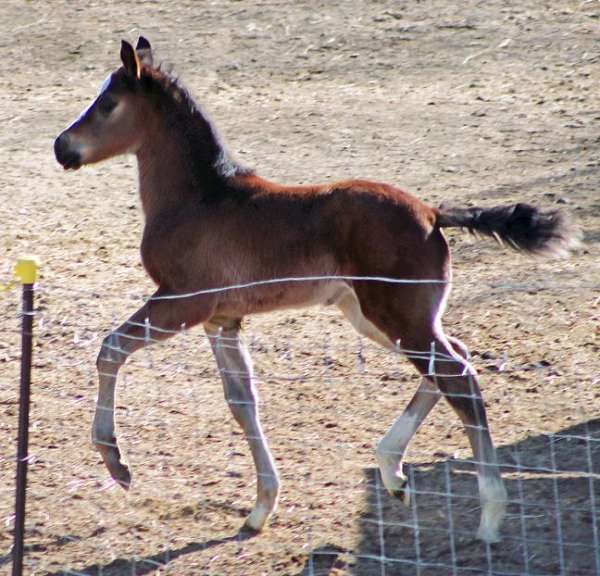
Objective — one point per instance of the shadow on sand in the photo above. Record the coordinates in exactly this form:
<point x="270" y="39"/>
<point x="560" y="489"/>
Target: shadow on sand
<point x="552" y="527"/>
<point x="150" y="564"/>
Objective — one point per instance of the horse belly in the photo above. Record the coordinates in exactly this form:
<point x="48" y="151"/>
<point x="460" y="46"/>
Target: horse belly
<point x="286" y="294"/>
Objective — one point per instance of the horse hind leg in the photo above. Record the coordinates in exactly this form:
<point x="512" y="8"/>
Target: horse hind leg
<point x="448" y="371"/>
<point x="392" y="447"/>
<point x="349" y="304"/>
<point x="457" y="381"/>
<point x="443" y="362"/>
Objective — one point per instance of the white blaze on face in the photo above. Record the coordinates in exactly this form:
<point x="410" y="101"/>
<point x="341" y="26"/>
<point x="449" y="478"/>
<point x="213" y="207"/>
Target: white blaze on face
<point x="103" y="88"/>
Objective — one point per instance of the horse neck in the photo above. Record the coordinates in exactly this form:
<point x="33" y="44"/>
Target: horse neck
<point x="173" y="170"/>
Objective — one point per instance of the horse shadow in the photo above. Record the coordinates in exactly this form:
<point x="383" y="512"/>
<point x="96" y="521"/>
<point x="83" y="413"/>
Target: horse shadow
<point x="552" y="525"/>
<point x="150" y="564"/>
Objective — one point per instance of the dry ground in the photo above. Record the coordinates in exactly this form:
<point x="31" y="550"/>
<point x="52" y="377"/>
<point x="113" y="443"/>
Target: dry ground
<point x="461" y="102"/>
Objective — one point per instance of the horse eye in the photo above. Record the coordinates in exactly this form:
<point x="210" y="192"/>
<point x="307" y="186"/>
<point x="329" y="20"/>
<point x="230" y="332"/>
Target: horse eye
<point x="106" y="105"/>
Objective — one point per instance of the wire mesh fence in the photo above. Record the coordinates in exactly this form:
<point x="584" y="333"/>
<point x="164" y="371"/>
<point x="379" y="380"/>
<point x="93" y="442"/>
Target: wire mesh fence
<point x="326" y="397"/>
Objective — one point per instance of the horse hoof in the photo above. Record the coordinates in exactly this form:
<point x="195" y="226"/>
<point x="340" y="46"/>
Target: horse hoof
<point x="111" y="455"/>
<point x="488" y="536"/>
<point x="121" y="474"/>
<point x="249" y="527"/>
<point x="247" y="530"/>
<point x="257" y="519"/>
<point x="402" y="494"/>
<point x="397" y="487"/>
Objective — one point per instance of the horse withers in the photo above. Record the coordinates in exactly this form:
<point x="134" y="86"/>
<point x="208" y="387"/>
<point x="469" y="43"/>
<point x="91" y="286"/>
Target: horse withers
<point x="369" y="248"/>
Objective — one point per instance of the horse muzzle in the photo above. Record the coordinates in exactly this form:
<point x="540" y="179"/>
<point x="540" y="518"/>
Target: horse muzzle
<point x="69" y="158"/>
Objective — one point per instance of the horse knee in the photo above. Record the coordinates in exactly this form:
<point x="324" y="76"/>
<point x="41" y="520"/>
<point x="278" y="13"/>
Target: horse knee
<point x="111" y="355"/>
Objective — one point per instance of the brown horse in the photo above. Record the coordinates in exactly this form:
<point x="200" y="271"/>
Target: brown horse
<point x="213" y="223"/>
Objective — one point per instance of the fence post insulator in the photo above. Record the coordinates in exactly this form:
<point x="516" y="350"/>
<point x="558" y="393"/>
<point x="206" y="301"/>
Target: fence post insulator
<point x="26" y="270"/>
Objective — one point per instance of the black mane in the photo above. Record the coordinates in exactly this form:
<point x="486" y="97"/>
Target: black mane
<point x="209" y="159"/>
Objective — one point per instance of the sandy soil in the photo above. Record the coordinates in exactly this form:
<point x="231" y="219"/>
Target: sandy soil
<point x="470" y="102"/>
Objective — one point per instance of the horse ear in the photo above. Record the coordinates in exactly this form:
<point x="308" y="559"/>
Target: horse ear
<point x="144" y="51"/>
<point x="143" y="44"/>
<point x="130" y="60"/>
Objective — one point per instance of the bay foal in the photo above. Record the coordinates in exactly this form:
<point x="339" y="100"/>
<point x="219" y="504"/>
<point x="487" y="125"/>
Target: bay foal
<point x="211" y="222"/>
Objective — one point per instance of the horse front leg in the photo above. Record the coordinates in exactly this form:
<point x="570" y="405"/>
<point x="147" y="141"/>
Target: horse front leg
<point x="157" y="320"/>
<point x="115" y="349"/>
<point x="235" y="367"/>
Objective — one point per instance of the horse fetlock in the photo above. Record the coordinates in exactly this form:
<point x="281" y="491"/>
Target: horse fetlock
<point x="268" y="494"/>
<point x="269" y="491"/>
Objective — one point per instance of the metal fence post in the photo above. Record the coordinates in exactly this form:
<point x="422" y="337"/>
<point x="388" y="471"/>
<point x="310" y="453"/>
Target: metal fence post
<point x="26" y="270"/>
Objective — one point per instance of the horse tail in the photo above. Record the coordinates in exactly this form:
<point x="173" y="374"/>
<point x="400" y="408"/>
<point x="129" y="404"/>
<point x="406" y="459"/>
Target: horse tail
<point x="522" y="226"/>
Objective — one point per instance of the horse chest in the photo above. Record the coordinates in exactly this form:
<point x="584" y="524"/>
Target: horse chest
<point x="163" y="254"/>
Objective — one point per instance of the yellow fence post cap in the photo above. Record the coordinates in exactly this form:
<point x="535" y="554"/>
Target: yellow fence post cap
<point x="26" y="269"/>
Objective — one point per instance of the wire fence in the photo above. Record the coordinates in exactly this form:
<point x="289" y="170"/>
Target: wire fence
<point x="326" y="397"/>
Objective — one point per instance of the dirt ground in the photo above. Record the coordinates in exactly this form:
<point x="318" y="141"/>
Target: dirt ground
<point x="458" y="102"/>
